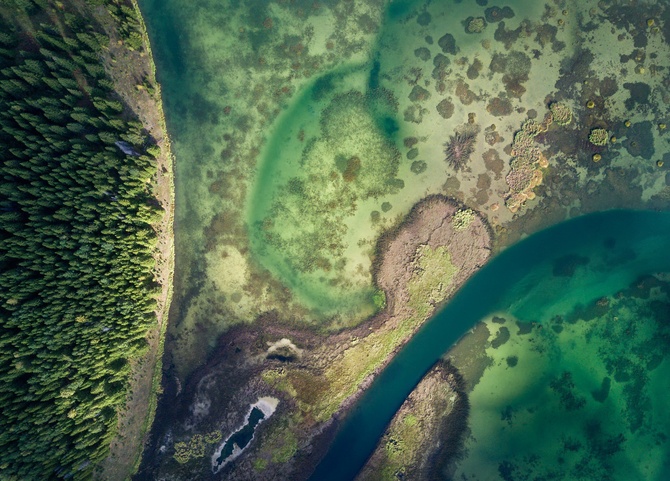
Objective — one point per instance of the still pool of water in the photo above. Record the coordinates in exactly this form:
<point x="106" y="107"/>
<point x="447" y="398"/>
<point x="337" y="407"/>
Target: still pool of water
<point x="241" y="437"/>
<point x="621" y="246"/>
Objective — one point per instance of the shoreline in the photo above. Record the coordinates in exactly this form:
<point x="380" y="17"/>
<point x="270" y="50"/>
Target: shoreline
<point x="244" y="367"/>
<point x="134" y="423"/>
<point x="437" y="408"/>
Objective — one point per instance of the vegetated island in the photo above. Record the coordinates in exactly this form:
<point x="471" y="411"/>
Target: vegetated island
<point x="86" y="232"/>
<point x="419" y="264"/>
<point x="437" y="409"/>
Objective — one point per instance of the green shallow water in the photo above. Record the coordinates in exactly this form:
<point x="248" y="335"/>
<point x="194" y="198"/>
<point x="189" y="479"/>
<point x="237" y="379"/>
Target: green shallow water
<point x="301" y="214"/>
<point x="271" y="201"/>
<point x="520" y="281"/>
<point x="585" y="397"/>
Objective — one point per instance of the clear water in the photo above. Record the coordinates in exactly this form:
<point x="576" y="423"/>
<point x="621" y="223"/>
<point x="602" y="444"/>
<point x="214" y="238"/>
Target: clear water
<point x="230" y="267"/>
<point x="583" y="398"/>
<point x="241" y="437"/>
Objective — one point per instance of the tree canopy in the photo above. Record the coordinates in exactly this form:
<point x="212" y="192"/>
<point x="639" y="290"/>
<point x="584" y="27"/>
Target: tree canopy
<point x="77" y="291"/>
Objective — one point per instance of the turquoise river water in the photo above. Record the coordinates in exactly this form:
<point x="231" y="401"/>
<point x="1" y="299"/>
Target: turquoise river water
<point x="518" y="281"/>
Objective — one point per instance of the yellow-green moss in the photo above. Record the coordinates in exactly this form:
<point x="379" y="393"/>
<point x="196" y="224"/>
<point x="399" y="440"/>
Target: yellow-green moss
<point x="462" y="219"/>
<point x="400" y="447"/>
<point x="598" y="137"/>
<point x="276" y="378"/>
<point x="213" y="437"/>
<point x="287" y="448"/>
<point x="410" y="420"/>
<point x="260" y="464"/>
<point x="432" y="278"/>
<point x="193" y="450"/>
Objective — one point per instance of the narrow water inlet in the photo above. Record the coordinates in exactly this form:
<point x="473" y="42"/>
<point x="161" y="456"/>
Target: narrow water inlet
<point x="235" y="444"/>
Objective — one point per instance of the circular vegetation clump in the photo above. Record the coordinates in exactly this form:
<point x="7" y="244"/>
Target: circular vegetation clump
<point x="423" y="19"/>
<point x="561" y="113"/>
<point x="422" y="53"/>
<point x="419" y="94"/>
<point x="475" y="25"/>
<point x="598" y="137"/>
<point x="418" y="166"/>
<point x="462" y="219"/>
<point x="445" y="108"/>
<point x="447" y="43"/>
<point x="496" y="14"/>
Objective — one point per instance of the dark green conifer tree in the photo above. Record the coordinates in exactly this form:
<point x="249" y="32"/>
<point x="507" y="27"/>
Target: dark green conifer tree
<point x="76" y="244"/>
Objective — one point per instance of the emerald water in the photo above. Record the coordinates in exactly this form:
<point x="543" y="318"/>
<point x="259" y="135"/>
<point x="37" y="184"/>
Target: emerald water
<point x="304" y="130"/>
<point x="621" y="246"/>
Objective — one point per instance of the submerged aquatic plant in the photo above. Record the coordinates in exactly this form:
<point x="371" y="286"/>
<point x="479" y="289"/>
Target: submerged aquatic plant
<point x="475" y="25"/>
<point x="459" y="148"/>
<point x="528" y="159"/>
<point x="598" y="137"/>
<point x="561" y="113"/>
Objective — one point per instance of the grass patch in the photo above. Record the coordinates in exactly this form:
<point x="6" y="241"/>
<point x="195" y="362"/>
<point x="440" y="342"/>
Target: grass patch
<point x="287" y="448"/>
<point x="430" y="284"/>
<point x="432" y="279"/>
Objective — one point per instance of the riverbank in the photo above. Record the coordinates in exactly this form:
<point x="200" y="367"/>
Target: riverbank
<point x="437" y="409"/>
<point x="134" y="74"/>
<point x="420" y="264"/>
<point x="532" y="280"/>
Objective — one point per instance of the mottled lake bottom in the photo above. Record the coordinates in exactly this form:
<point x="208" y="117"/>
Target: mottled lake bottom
<point x="581" y="396"/>
<point x="553" y="413"/>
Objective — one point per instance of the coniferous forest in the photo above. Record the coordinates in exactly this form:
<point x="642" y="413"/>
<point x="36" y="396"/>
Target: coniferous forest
<point x="77" y="290"/>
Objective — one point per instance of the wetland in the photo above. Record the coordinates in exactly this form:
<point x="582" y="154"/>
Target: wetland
<point x="344" y="168"/>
